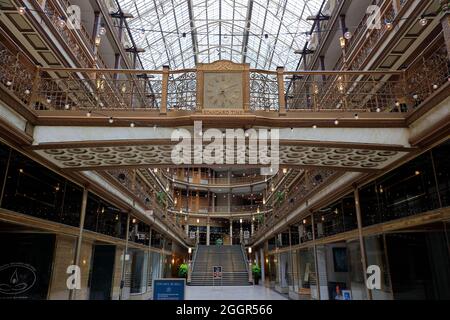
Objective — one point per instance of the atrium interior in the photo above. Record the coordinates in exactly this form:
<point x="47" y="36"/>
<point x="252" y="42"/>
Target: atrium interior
<point x="256" y="149"/>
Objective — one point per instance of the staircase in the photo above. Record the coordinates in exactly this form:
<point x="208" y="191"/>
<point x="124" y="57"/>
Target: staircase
<point x="230" y="258"/>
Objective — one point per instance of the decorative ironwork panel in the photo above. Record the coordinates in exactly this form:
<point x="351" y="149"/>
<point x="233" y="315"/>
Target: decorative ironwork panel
<point x="182" y="91"/>
<point x="264" y="92"/>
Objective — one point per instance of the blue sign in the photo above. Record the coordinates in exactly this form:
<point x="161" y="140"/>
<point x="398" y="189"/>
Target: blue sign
<point x="169" y="289"/>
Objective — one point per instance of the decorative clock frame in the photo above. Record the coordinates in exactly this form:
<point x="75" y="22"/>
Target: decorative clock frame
<point x="221" y="67"/>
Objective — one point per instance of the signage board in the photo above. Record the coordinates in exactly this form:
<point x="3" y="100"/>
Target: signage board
<point x="217" y="272"/>
<point x="169" y="289"/>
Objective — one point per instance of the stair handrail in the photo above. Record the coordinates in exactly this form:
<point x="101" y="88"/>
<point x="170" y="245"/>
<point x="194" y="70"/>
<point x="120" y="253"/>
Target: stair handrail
<point x="245" y="257"/>
<point x="194" y="257"/>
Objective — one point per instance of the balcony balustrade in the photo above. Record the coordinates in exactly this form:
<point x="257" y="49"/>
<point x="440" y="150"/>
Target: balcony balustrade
<point x="303" y="189"/>
<point x="148" y="199"/>
<point x="100" y="90"/>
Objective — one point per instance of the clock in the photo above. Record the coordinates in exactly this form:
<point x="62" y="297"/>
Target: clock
<point x="223" y="90"/>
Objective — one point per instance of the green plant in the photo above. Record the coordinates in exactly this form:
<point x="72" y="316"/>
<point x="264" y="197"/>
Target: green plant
<point x="256" y="270"/>
<point x="279" y="197"/>
<point x="183" y="270"/>
<point x="161" y="196"/>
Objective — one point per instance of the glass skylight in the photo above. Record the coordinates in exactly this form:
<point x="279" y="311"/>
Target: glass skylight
<point x="181" y="33"/>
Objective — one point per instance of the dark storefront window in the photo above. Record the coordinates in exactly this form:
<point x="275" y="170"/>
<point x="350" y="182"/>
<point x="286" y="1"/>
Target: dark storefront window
<point x="35" y="190"/>
<point x="441" y="160"/>
<point x="139" y="232"/>
<point x="336" y="218"/>
<point x="104" y="218"/>
<point x="408" y="190"/>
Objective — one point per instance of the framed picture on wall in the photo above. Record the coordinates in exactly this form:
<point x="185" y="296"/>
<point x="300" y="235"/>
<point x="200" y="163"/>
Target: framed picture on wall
<point x="340" y="259"/>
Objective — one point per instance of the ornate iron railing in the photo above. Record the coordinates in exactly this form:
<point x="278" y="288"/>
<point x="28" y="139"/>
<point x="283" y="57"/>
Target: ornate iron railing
<point x="103" y="90"/>
<point x="299" y="192"/>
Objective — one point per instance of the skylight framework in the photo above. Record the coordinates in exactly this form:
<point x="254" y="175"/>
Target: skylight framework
<point x="181" y="33"/>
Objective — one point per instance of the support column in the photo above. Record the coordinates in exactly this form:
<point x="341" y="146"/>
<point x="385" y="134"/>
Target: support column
<point x="208" y="233"/>
<point x="231" y="232"/>
<point x="281" y="90"/>
<point x="72" y="294"/>
<point x="315" y="256"/>
<point x="445" y="6"/>
<point x="124" y="256"/>
<point x="97" y="25"/>
<point x="361" y="241"/>
<point x="241" y="233"/>
<point x="263" y="266"/>
<point x="165" y="90"/>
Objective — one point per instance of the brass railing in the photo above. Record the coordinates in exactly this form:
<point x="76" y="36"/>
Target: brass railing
<point x="297" y="195"/>
<point x="143" y="193"/>
<point x="87" y="89"/>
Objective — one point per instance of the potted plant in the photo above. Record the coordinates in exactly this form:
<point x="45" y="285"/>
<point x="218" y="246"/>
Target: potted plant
<point x="183" y="270"/>
<point x="256" y="270"/>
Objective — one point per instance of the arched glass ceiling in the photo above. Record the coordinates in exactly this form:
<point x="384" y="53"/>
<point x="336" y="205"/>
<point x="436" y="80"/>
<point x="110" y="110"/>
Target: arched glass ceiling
<point x="181" y="33"/>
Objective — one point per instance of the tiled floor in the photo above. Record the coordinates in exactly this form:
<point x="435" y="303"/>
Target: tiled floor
<point x="232" y="293"/>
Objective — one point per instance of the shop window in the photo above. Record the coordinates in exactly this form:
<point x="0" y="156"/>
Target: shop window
<point x="101" y="217"/>
<point x="4" y="158"/>
<point x="139" y="263"/>
<point x="139" y="232"/>
<point x="35" y="190"/>
<point x="442" y="168"/>
<point x="405" y="191"/>
<point x="336" y="218"/>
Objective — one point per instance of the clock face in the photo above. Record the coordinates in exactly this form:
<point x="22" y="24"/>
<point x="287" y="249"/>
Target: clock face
<point x="223" y="90"/>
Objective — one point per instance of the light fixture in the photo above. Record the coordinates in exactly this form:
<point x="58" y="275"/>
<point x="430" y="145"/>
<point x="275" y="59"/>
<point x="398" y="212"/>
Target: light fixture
<point x="417" y="172"/>
<point x="356" y="116"/>
<point x="314" y="126"/>
<point x="173" y="261"/>
<point x="49" y="100"/>
<point x="88" y="114"/>
<point x="336" y="122"/>
<point x="304" y="221"/>
<point x="98" y="40"/>
<point x="249" y="249"/>
<point x="423" y="22"/>
<point x="21" y="10"/>
<point x="378" y="109"/>
<point x="292" y="129"/>
<point x="61" y="22"/>
<point x="111" y="120"/>
<point x="189" y="250"/>
<point x="155" y="170"/>
<point x="342" y="42"/>
<point x="134" y="221"/>
<point x="347" y="35"/>
<point x="323" y="218"/>
<point x="285" y="170"/>
<point x="132" y="125"/>
<point x="198" y="220"/>
<point x="389" y="25"/>
<point x="67" y="106"/>
<point x="435" y="86"/>
<point x="102" y="31"/>
<point x="8" y="83"/>
<point x="415" y="96"/>
<point x="27" y="92"/>
<point x="240" y="221"/>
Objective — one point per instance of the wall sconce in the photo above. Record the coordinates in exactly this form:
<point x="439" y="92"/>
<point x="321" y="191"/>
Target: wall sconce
<point x="250" y="250"/>
<point x="98" y="40"/>
<point x="342" y="42"/>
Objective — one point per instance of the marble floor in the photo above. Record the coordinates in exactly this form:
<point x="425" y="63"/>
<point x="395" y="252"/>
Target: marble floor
<point x="232" y="293"/>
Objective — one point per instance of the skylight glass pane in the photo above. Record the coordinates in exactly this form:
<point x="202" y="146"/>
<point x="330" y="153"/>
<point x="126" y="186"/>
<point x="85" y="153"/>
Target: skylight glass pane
<point x="218" y="31"/>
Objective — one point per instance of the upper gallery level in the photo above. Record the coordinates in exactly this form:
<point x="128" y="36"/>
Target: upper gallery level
<point x="386" y="88"/>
